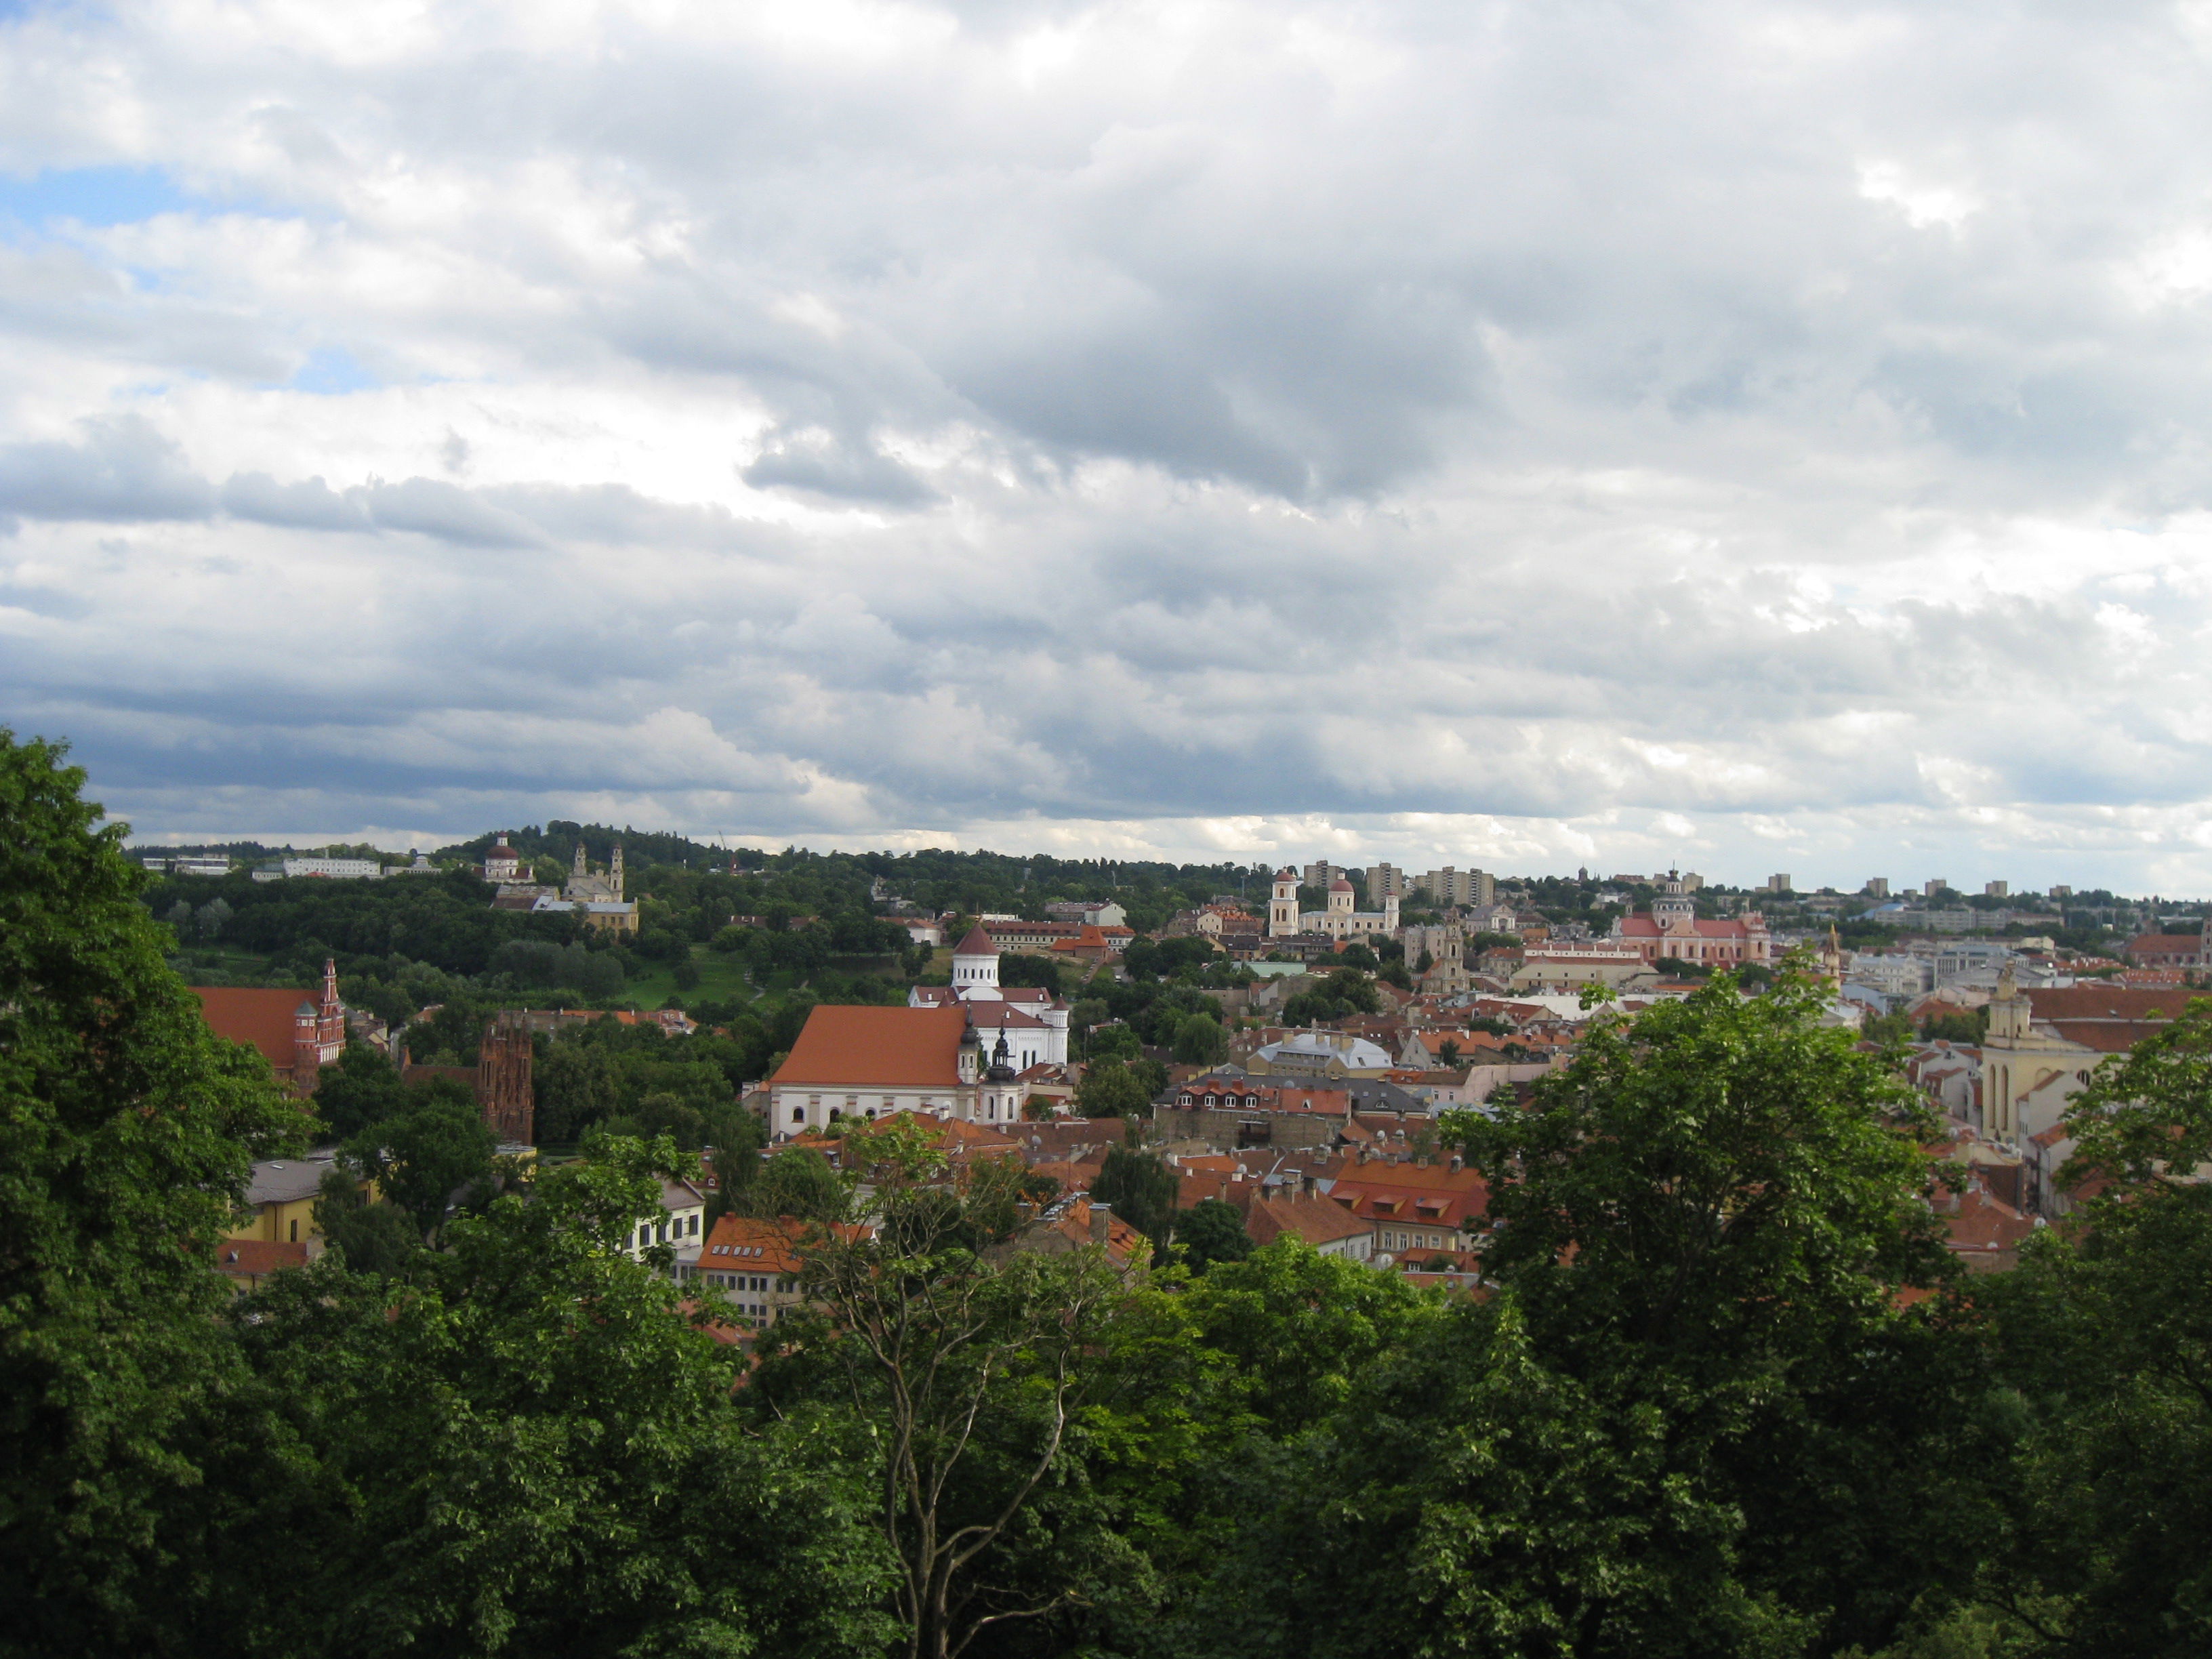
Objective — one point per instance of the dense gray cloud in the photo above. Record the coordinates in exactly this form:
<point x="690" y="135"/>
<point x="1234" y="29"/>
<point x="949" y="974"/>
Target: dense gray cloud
<point x="1767" y="436"/>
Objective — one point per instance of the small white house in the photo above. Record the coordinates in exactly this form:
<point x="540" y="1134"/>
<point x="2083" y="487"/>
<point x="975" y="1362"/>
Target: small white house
<point x="683" y="1214"/>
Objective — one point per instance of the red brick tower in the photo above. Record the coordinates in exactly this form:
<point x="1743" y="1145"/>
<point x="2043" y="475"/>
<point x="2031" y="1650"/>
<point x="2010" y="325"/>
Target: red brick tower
<point x="319" y="1033"/>
<point x="330" y="1015"/>
<point x="503" y="1081"/>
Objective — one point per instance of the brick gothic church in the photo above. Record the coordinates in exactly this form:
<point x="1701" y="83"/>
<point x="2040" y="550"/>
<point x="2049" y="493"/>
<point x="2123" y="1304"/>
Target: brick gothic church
<point x="503" y="1086"/>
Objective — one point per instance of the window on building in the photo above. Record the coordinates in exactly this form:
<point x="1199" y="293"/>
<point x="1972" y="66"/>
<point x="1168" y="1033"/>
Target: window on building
<point x="295" y="1229"/>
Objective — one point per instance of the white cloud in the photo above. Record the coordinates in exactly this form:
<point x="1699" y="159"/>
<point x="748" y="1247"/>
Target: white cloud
<point x="1505" y="435"/>
<point x="1922" y="204"/>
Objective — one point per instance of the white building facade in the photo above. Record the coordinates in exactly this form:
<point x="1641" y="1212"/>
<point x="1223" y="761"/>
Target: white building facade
<point x="1338" y="920"/>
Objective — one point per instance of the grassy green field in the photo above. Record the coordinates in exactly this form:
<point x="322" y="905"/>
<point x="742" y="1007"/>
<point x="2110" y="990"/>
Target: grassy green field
<point x="721" y="978"/>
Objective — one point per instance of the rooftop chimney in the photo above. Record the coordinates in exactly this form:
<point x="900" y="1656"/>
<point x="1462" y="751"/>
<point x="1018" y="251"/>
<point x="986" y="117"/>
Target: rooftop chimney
<point x="1102" y="1216"/>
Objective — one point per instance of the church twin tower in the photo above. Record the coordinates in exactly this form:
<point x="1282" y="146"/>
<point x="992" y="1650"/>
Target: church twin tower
<point x="1339" y="921"/>
<point x="583" y="885"/>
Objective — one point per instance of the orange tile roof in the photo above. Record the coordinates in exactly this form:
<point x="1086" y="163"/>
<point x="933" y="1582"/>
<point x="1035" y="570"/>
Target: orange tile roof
<point x="1436" y="1195"/>
<point x="748" y="1244"/>
<point x="2102" y="1001"/>
<point x="877" y="1047"/>
<point x="264" y="1019"/>
<point x="2108" y="1036"/>
<point x="1984" y="1227"/>
<point x="1125" y="1246"/>
<point x="1316" y="1220"/>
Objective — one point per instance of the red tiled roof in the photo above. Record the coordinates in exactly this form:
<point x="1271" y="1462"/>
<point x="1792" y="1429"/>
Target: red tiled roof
<point x="2167" y="944"/>
<point x="1316" y="1220"/>
<point x="1436" y="1195"/>
<point x="1125" y="1246"/>
<point x="2108" y="1036"/>
<point x="977" y="944"/>
<point x="1645" y="927"/>
<point x="876" y="1048"/>
<point x="2102" y="1001"/>
<point x="264" y="1019"/>
<point x="1984" y="1227"/>
<point x="748" y="1244"/>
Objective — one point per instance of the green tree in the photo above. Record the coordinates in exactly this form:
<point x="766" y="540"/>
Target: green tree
<point x="470" y="1467"/>
<point x="1141" y="1189"/>
<point x="1888" y="1029"/>
<point x="362" y="1089"/>
<point x="2108" y="1329"/>
<point x="1109" y="1089"/>
<point x="1300" y="1329"/>
<point x="369" y="1238"/>
<point x="739" y="1140"/>
<point x="576" y="1087"/>
<point x="1209" y="1232"/>
<point x="1347" y="991"/>
<point x="127" y="1132"/>
<point x="1971" y="1027"/>
<point x="1107" y="1043"/>
<point x="797" y="1181"/>
<point x="1199" y="1041"/>
<point x="1151" y="1078"/>
<point x="426" y="1159"/>
<point x="1704" y="1223"/>
<point x="975" y="1368"/>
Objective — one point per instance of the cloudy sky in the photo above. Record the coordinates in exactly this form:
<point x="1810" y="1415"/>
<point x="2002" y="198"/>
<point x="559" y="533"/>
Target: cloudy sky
<point x="1771" y="437"/>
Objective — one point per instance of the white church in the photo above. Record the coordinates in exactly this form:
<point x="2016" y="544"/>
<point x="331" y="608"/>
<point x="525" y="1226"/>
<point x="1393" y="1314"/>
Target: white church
<point x="1339" y="921"/>
<point x="1032" y="1022"/>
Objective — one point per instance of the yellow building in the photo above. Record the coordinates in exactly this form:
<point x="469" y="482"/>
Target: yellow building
<point x="281" y="1199"/>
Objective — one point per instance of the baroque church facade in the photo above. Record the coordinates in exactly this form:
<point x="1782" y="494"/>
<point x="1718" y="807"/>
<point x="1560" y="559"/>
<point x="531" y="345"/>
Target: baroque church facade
<point x="1337" y="921"/>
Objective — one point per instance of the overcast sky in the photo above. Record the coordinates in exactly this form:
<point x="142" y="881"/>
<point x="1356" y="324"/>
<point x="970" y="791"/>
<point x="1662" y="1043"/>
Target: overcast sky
<point x="1763" y="436"/>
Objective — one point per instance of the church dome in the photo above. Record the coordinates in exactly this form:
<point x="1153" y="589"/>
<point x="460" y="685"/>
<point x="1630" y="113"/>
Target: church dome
<point x="1340" y="885"/>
